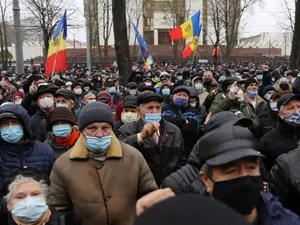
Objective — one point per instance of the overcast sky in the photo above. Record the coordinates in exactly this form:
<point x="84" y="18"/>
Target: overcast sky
<point x="263" y="18"/>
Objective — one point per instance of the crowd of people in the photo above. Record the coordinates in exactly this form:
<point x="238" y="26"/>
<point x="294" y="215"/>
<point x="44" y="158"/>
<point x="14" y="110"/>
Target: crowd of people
<point x="80" y="148"/>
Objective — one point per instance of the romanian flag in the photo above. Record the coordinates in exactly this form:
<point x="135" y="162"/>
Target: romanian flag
<point x="215" y="52"/>
<point x="192" y="45"/>
<point x="149" y="62"/>
<point x="189" y="28"/>
<point x="57" y="56"/>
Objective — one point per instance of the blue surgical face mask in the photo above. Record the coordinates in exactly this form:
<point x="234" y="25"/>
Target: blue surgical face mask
<point x="62" y="130"/>
<point x="30" y="209"/>
<point x="252" y="93"/>
<point x="165" y="92"/>
<point x="293" y="79"/>
<point x="181" y="102"/>
<point x="132" y="92"/>
<point x="112" y="90"/>
<point x="293" y="119"/>
<point x="222" y="78"/>
<point x="97" y="144"/>
<point x="12" y="134"/>
<point x="199" y="86"/>
<point x="90" y="101"/>
<point x="179" y="78"/>
<point x="152" y="117"/>
<point x="259" y="77"/>
<point x="61" y="105"/>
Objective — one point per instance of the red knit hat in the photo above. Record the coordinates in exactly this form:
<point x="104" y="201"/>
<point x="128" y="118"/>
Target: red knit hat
<point x="104" y="95"/>
<point x="18" y="94"/>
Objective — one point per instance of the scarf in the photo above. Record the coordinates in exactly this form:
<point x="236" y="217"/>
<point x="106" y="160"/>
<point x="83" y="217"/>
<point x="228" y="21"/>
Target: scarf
<point x="68" y="141"/>
<point x="42" y="221"/>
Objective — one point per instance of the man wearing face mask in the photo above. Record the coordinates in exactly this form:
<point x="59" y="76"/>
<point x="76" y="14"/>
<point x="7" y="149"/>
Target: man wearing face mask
<point x="112" y="174"/>
<point x="78" y="90"/>
<point x="286" y="136"/>
<point x="283" y="86"/>
<point x="160" y="142"/>
<point x="257" y="104"/>
<point x="88" y="97"/>
<point x="18" y="97"/>
<point x="129" y="112"/>
<point x="194" y="102"/>
<point x="44" y="98"/>
<point x="186" y="118"/>
<point x="104" y="97"/>
<point x="17" y="147"/>
<point x="198" y="84"/>
<point x="165" y="92"/>
<point x="112" y="89"/>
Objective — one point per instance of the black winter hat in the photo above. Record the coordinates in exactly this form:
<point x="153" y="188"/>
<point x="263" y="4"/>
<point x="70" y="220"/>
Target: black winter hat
<point x="181" y="88"/>
<point x="147" y="97"/>
<point x="132" y="85"/>
<point x="226" y="144"/>
<point x="250" y="81"/>
<point x="130" y="101"/>
<point x="95" y="112"/>
<point x="190" y="210"/>
<point x="66" y="94"/>
<point x="43" y="89"/>
<point x="267" y="89"/>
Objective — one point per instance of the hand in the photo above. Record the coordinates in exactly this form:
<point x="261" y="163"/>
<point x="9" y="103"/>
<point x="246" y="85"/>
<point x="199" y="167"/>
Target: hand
<point x="233" y="91"/>
<point x="32" y="89"/>
<point x="153" y="198"/>
<point x="149" y="130"/>
<point x="265" y="68"/>
<point x="134" y="68"/>
<point x="240" y="95"/>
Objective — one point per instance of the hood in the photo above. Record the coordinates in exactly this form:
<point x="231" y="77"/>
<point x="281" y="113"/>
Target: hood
<point x="195" y="78"/>
<point x="21" y="113"/>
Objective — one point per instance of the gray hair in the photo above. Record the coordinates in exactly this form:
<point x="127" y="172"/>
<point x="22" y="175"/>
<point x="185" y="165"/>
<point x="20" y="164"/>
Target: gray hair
<point x="21" y="179"/>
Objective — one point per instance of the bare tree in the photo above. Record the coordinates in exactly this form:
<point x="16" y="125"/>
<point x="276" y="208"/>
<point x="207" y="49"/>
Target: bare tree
<point x="295" y="53"/>
<point x="45" y="15"/>
<point x="3" y="32"/>
<point x="287" y="20"/>
<point x="175" y="13"/>
<point x="121" y="39"/>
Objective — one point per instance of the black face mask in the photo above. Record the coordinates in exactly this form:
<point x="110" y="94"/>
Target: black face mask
<point x="207" y="81"/>
<point x="241" y="194"/>
<point x="284" y="86"/>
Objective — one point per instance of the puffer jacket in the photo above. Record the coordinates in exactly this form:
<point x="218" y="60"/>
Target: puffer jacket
<point x="282" y="140"/>
<point x="284" y="180"/>
<point x="188" y="120"/>
<point x="31" y="153"/>
<point x="164" y="159"/>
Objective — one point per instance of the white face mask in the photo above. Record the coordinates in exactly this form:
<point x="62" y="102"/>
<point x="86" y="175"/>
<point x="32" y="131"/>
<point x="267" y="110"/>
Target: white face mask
<point x="46" y="102"/>
<point x="18" y="102"/>
<point x="128" y="117"/>
<point x="148" y="83"/>
<point x="273" y="106"/>
<point x="78" y="91"/>
<point x="193" y="104"/>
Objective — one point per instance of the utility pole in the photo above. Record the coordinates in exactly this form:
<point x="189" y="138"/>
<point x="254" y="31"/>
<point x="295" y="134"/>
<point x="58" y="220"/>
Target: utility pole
<point x="19" y="42"/>
<point x="88" y="35"/>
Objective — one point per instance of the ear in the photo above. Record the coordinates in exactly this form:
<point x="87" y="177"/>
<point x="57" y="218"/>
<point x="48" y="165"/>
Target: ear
<point x="280" y="114"/>
<point x="207" y="182"/>
<point x="139" y="112"/>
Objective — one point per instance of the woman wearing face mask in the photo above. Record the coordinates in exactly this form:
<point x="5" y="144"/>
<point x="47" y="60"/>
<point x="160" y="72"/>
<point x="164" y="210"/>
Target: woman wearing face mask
<point x="64" y="132"/>
<point x="129" y="112"/>
<point x="18" y="97"/>
<point x="112" y="174"/>
<point x="165" y="92"/>
<point x="25" y="193"/>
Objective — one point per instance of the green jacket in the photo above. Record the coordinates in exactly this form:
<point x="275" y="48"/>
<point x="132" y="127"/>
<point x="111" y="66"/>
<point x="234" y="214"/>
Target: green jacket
<point x="215" y="104"/>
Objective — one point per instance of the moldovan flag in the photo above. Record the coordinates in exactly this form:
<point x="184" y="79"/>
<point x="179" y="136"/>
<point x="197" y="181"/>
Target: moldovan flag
<point x="189" y="28"/>
<point x="57" y="54"/>
<point x="149" y="62"/>
<point x="215" y="52"/>
<point x="191" y="46"/>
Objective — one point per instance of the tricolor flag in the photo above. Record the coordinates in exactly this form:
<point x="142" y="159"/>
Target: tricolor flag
<point x="149" y="62"/>
<point x="57" y="56"/>
<point x="189" y="28"/>
<point x="142" y="43"/>
<point x="192" y="45"/>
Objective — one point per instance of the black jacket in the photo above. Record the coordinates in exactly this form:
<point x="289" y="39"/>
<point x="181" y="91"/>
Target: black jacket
<point x="186" y="180"/>
<point x="268" y="121"/>
<point x="162" y="160"/>
<point x="35" y="121"/>
<point x="188" y="120"/>
<point x="284" y="180"/>
<point x="283" y="139"/>
<point x="29" y="104"/>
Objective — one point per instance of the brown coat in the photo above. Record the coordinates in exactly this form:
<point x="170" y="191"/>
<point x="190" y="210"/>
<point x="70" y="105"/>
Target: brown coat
<point x="101" y="193"/>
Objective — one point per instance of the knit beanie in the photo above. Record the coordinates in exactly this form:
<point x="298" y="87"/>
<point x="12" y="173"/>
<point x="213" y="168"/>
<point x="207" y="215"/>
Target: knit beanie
<point x="19" y="94"/>
<point x="61" y="114"/>
<point x="95" y="112"/>
<point x="250" y="81"/>
<point x="267" y="89"/>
